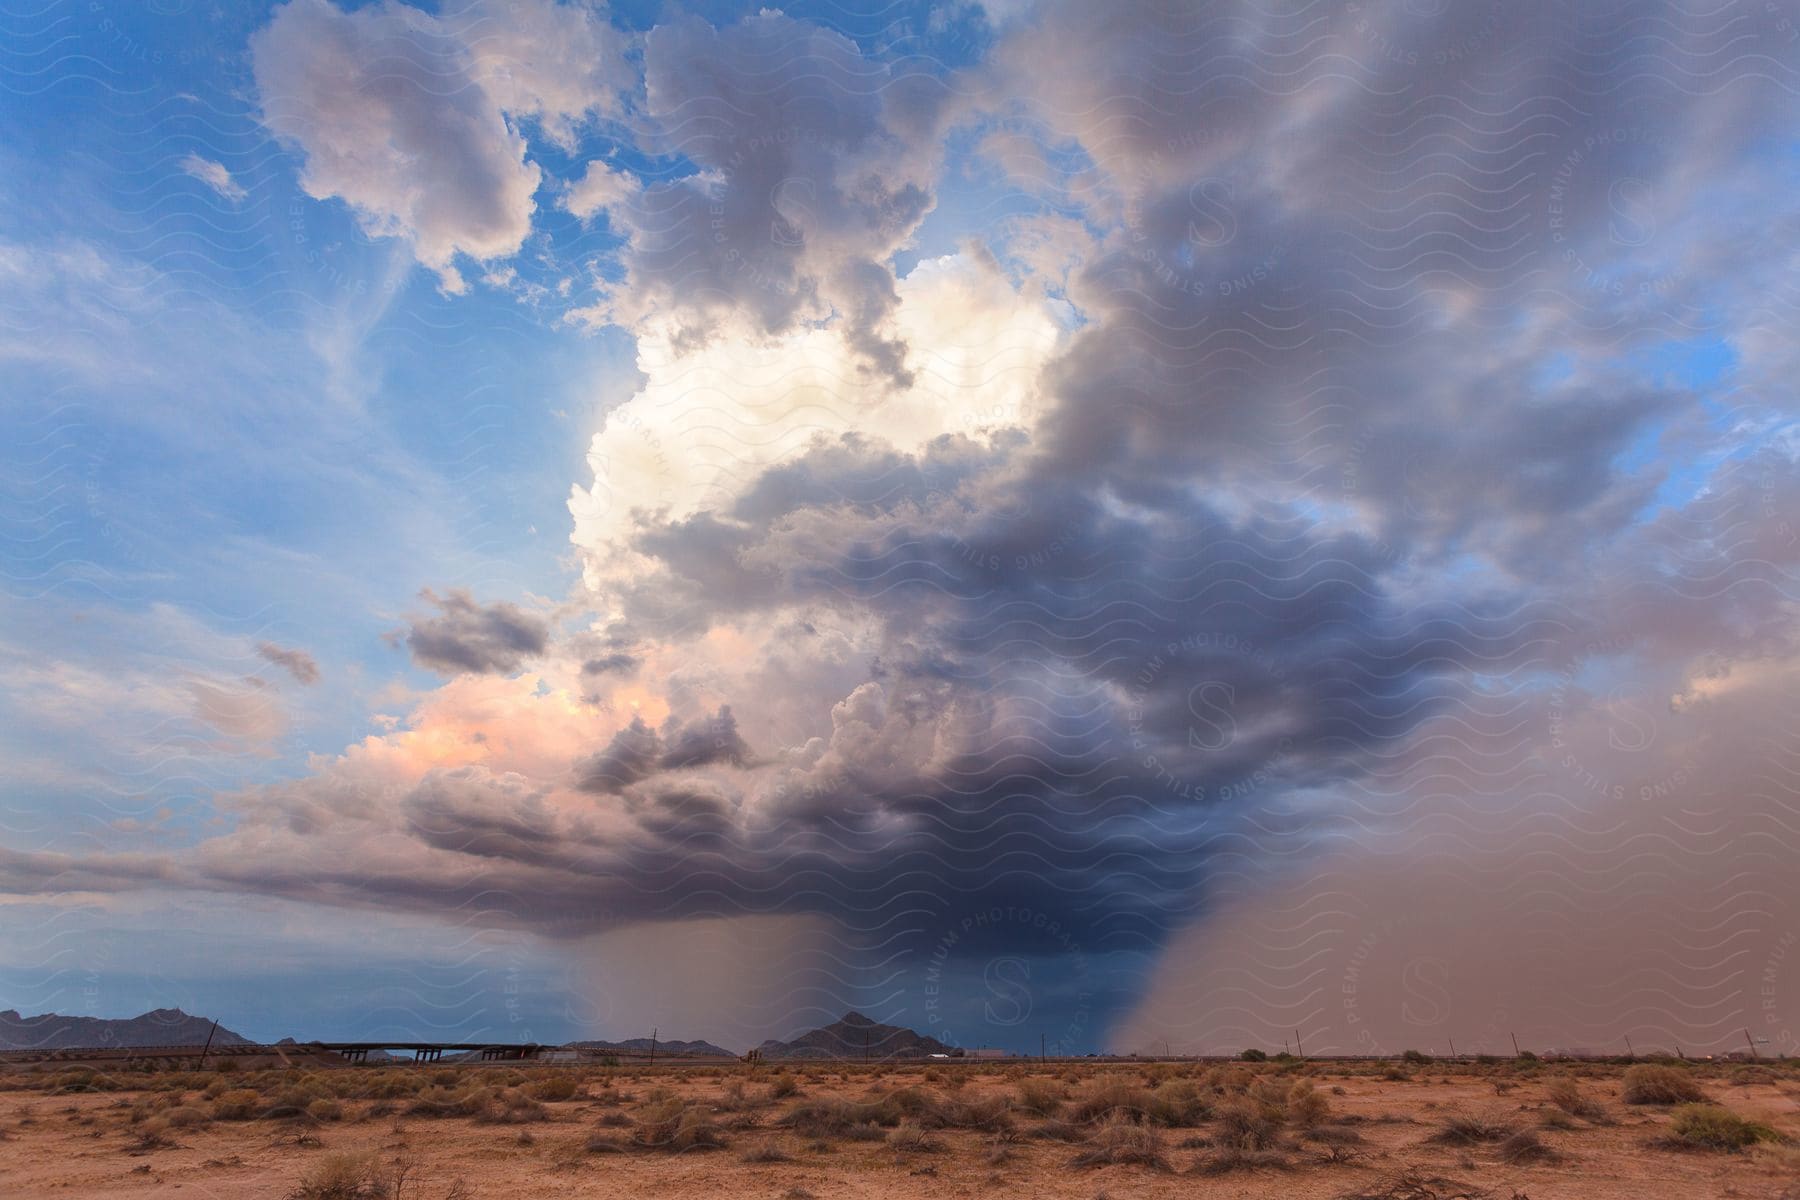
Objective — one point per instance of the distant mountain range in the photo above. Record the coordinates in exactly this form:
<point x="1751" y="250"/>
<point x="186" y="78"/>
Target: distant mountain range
<point x="159" y="1027"/>
<point x="855" y="1036"/>
<point x="851" y="1036"/>
<point x="674" y="1048"/>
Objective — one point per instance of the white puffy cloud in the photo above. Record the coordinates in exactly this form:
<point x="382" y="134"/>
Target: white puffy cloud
<point x="404" y="115"/>
<point x="599" y="188"/>
<point x="709" y="421"/>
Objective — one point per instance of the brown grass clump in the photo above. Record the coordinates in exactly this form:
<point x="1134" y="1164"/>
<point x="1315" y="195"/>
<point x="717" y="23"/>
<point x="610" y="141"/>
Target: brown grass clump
<point x="1415" y="1185"/>
<point x="1526" y="1147"/>
<point x="992" y="1114"/>
<point x="187" y="1117"/>
<point x="1649" y="1083"/>
<point x="1709" y="1127"/>
<point x="674" y="1127"/>
<point x="1121" y="1143"/>
<point x="343" y="1177"/>
<point x="1305" y="1106"/>
<point x="555" y="1089"/>
<point x="1040" y="1097"/>
<point x="1174" y="1105"/>
<point x="1463" y="1130"/>
<point x="909" y="1137"/>
<point x="1246" y="1125"/>
<point x="1237" y="1158"/>
<point x="1566" y="1094"/>
<point x="448" y="1102"/>
<point x="241" y="1104"/>
<point x="510" y="1108"/>
<point x="1056" y="1131"/>
<point x="1744" y="1076"/>
<point x="783" y="1087"/>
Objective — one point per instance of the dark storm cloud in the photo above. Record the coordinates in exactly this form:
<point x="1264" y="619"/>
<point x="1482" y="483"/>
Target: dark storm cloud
<point x="638" y="751"/>
<point x="466" y="636"/>
<point x="298" y="663"/>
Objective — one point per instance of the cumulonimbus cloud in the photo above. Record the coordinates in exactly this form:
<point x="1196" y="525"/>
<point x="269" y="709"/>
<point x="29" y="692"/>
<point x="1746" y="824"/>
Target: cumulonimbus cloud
<point x="1269" y="505"/>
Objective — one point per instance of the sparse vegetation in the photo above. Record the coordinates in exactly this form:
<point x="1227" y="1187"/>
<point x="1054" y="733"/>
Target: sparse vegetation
<point x="1709" y="1127"/>
<point x="1464" y="1130"/>
<point x="343" y="1177"/>
<point x="1256" y="1121"/>
<point x="1119" y="1143"/>
<point x="1649" y="1083"/>
<point x="1566" y="1094"/>
<point x="1526" y="1147"/>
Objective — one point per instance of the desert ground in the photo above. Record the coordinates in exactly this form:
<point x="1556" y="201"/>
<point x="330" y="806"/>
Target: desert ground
<point x="1421" y="1130"/>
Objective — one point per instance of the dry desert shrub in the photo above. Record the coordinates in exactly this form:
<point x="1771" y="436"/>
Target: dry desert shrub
<point x="1122" y="1143"/>
<point x="555" y="1088"/>
<point x="509" y="1108"/>
<point x="1175" y="1105"/>
<point x="1304" y="1105"/>
<point x="1709" y="1127"/>
<point x="1340" y="1144"/>
<point x="1244" y="1124"/>
<point x="1416" y="1185"/>
<point x="1040" y="1097"/>
<point x="1744" y="1076"/>
<point x="343" y="1177"/>
<point x="239" y="1104"/>
<point x="1566" y="1094"/>
<point x="187" y="1117"/>
<point x="1056" y="1131"/>
<point x="1651" y="1083"/>
<point x="1228" y="1159"/>
<point x="989" y="1114"/>
<point x="909" y="1137"/>
<point x="1464" y="1130"/>
<point x="1526" y="1147"/>
<point x="674" y="1127"/>
<point x="783" y="1087"/>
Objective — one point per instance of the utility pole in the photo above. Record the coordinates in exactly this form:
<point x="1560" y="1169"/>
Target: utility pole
<point x="1298" y="1048"/>
<point x="1751" y="1042"/>
<point x="1629" y="1052"/>
<point x="653" y="1032"/>
<point x="1043" y="1049"/>
<point x="1452" y="1047"/>
<point x="215" y="1029"/>
<point x="1515" y="1038"/>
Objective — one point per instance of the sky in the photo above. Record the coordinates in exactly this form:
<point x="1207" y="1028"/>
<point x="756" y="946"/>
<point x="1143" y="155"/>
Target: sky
<point x="1108" y="527"/>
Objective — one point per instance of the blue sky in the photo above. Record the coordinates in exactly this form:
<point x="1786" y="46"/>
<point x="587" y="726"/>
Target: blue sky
<point x="488" y="484"/>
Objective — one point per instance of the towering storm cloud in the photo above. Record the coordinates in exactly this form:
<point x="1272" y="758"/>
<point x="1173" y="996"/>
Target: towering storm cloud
<point x="1130" y="523"/>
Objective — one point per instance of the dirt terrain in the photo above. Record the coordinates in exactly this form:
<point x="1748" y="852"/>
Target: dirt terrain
<point x="1415" y="1131"/>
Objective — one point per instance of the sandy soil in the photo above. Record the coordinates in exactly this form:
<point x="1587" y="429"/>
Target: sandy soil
<point x="89" y="1144"/>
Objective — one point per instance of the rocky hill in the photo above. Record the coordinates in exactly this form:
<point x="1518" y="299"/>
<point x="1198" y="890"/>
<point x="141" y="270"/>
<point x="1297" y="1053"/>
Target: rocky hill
<point x="159" y="1027"/>
<point x="674" y="1048"/>
<point x="856" y="1036"/>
